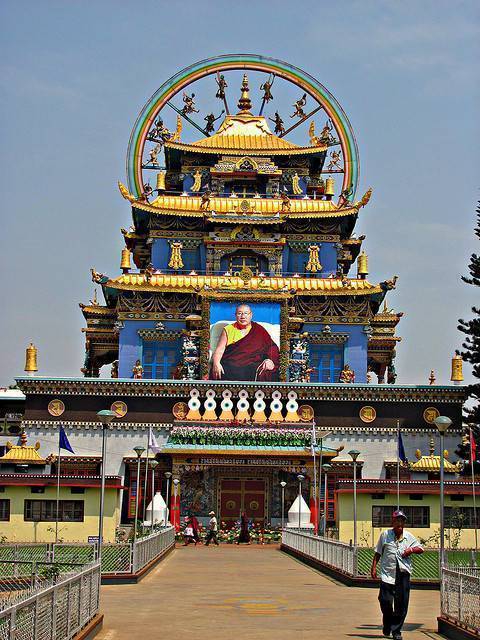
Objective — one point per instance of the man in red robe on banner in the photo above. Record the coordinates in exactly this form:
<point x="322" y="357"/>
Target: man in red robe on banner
<point x="245" y="351"/>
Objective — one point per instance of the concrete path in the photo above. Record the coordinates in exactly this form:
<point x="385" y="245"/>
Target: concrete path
<point x="249" y="592"/>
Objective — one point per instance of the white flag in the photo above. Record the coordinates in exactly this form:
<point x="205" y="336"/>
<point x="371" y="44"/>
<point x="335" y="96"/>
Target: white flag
<point x="152" y="442"/>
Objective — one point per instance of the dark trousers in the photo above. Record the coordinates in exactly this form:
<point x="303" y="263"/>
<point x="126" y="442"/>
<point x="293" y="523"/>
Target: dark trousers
<point x="211" y="535"/>
<point x="394" y="602"/>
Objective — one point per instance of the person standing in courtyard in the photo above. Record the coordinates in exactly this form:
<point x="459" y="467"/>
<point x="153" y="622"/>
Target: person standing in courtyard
<point x="395" y="548"/>
<point x="212" y="529"/>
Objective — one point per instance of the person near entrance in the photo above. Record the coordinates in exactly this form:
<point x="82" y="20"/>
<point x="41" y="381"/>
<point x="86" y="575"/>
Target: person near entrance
<point x="395" y="548"/>
<point x="212" y="529"/>
<point x="244" y="536"/>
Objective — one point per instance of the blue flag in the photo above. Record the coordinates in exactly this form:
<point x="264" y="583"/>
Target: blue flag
<point x="401" y="449"/>
<point x="64" y="443"/>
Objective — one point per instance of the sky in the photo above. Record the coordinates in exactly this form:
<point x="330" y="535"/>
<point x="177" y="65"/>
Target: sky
<point x="75" y="74"/>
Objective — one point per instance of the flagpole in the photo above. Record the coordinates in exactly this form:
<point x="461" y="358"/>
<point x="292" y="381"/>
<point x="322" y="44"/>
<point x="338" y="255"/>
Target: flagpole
<point x="320" y="484"/>
<point x="398" y="464"/>
<point x="57" y="513"/>
<point x="146" y="478"/>
<point x="314" y="444"/>
<point x="475" y="521"/>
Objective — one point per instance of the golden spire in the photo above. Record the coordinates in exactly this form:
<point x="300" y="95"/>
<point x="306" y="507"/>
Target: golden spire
<point x="245" y="104"/>
<point x="457" y="369"/>
<point x="432" y="379"/>
<point x="125" y="262"/>
<point x="432" y="446"/>
<point x="362" y="265"/>
<point x="31" y="360"/>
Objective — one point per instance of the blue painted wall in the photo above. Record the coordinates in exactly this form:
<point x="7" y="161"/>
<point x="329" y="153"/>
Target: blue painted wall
<point x="356" y="347"/>
<point x="130" y="343"/>
<point x="160" y="253"/>
<point x="293" y="261"/>
<point x="191" y="257"/>
<point x="328" y="258"/>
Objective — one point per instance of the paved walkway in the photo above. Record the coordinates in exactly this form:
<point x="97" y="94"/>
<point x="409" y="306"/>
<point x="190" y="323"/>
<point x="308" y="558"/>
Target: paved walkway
<point x="249" y="592"/>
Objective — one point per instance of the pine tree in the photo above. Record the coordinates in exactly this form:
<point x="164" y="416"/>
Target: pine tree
<point x="471" y="344"/>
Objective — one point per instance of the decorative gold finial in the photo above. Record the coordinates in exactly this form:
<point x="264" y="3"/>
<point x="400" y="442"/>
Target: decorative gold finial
<point x="125" y="262"/>
<point x="23" y="439"/>
<point x="161" y="181"/>
<point x="31" y="359"/>
<point x="245" y="104"/>
<point x="313" y="264"/>
<point x="457" y="369"/>
<point x="432" y="446"/>
<point x="362" y="265"/>
<point x="330" y="187"/>
<point x="432" y="379"/>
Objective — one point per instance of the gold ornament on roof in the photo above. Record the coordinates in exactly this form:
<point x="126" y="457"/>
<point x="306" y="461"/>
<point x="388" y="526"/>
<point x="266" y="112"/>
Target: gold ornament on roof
<point x="126" y="193"/>
<point x="364" y="200"/>
<point x="457" y="369"/>
<point x="31" y="359"/>
<point x="313" y="264"/>
<point x="245" y="104"/>
<point x="175" y="137"/>
<point x="296" y="188"/>
<point x="161" y="181"/>
<point x="362" y="263"/>
<point x="125" y="265"/>
<point x="176" y="261"/>
<point x="432" y="379"/>
<point x="330" y="187"/>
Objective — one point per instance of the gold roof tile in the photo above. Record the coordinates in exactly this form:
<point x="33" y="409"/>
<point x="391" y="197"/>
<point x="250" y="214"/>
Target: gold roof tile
<point x="22" y="453"/>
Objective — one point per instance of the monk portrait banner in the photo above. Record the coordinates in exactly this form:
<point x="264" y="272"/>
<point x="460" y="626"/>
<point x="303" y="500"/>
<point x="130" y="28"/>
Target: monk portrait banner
<point x="244" y="341"/>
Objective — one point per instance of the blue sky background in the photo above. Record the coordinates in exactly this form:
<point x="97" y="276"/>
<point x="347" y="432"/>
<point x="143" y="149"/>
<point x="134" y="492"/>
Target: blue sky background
<point x="73" y="76"/>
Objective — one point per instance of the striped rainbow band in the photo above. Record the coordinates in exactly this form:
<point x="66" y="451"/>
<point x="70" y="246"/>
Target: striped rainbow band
<point x="241" y="61"/>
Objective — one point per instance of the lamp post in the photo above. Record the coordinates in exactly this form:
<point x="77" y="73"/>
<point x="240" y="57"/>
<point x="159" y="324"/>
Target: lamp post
<point x="354" y="455"/>
<point x="176" y="482"/>
<point x="105" y="416"/>
<point x="138" y="451"/>
<point x="300" y="479"/>
<point x="283" y="484"/>
<point x="168" y="475"/>
<point x="442" y="423"/>
<point x="326" y="468"/>
<point x="153" y="466"/>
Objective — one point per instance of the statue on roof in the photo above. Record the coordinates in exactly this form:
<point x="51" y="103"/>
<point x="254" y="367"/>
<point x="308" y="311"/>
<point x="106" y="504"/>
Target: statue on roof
<point x="285" y="202"/>
<point x="189" y="102"/>
<point x="160" y="131"/>
<point x="347" y="375"/>
<point x="298" y="106"/>
<point x="205" y="203"/>
<point x="210" y="119"/>
<point x="153" y="154"/>
<point x="137" y="370"/>
<point x="326" y="133"/>
<point x="335" y="157"/>
<point x="222" y="85"/>
<point x="266" y="87"/>
<point x="279" y="128"/>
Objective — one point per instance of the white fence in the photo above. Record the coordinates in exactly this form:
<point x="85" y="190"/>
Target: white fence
<point x="117" y="558"/>
<point x="460" y="596"/>
<point x="57" y="610"/>
<point x="333" y="553"/>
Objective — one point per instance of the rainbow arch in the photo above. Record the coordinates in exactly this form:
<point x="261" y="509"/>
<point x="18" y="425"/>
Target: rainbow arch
<point x="210" y="66"/>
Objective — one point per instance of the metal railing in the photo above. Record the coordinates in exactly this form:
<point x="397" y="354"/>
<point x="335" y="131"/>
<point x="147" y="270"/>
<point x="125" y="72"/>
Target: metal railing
<point x="57" y="607"/>
<point x="333" y="553"/>
<point x="460" y="596"/>
<point x="154" y="545"/>
<point x="117" y="558"/>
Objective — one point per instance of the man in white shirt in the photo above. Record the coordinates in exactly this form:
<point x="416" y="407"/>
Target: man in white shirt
<point x="395" y="547"/>
<point x="212" y="530"/>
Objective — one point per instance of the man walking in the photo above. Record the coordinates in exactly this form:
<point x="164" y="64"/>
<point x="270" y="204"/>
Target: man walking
<point x="394" y="547"/>
<point x="212" y="529"/>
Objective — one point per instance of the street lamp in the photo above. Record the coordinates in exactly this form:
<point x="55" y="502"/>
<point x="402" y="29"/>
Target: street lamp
<point x="105" y="416"/>
<point x="138" y="450"/>
<point x="153" y="466"/>
<point x="283" y="484"/>
<point x="300" y="479"/>
<point x="168" y="475"/>
<point x="354" y="455"/>
<point x="326" y="468"/>
<point x="442" y="423"/>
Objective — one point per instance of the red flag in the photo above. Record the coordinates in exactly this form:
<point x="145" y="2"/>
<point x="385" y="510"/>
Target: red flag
<point x="473" y="448"/>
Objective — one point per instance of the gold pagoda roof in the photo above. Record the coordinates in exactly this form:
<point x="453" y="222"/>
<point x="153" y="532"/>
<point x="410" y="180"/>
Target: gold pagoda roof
<point x="22" y="453"/>
<point x="245" y="134"/>
<point x="262" y="209"/>
<point x="431" y="463"/>
<point x="196" y="283"/>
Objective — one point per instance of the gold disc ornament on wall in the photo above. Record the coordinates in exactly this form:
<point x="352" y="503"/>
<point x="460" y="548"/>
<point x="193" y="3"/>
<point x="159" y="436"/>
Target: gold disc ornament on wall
<point x="119" y="408"/>
<point x="56" y="408"/>
<point x="180" y="410"/>
<point x="367" y="414"/>
<point x="430" y="414"/>
<point x="306" y="413"/>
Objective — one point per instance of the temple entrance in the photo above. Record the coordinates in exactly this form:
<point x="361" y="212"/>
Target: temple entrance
<point x="238" y="495"/>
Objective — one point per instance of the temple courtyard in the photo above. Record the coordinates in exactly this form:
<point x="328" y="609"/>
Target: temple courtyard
<point x="250" y="592"/>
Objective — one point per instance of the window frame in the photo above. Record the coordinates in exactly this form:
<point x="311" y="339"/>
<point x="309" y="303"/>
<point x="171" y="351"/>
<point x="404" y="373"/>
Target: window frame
<point x="46" y="510"/>
<point x="470" y="521"/>
<point x="4" y="509"/>
<point x="316" y="356"/>
<point x="411" y="511"/>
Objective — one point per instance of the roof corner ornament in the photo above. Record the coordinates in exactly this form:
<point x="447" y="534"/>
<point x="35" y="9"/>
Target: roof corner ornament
<point x="365" y="199"/>
<point x="125" y="192"/>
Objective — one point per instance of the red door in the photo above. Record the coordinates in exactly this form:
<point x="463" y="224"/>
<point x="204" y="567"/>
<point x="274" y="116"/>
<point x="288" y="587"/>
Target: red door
<point x="237" y="496"/>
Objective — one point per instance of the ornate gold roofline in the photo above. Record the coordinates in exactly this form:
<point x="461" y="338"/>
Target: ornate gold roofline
<point x="206" y="283"/>
<point x="244" y="150"/>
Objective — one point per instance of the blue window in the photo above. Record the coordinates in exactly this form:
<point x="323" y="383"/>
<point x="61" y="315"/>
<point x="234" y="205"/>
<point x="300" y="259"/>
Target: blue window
<point x="327" y="361"/>
<point x="159" y="359"/>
